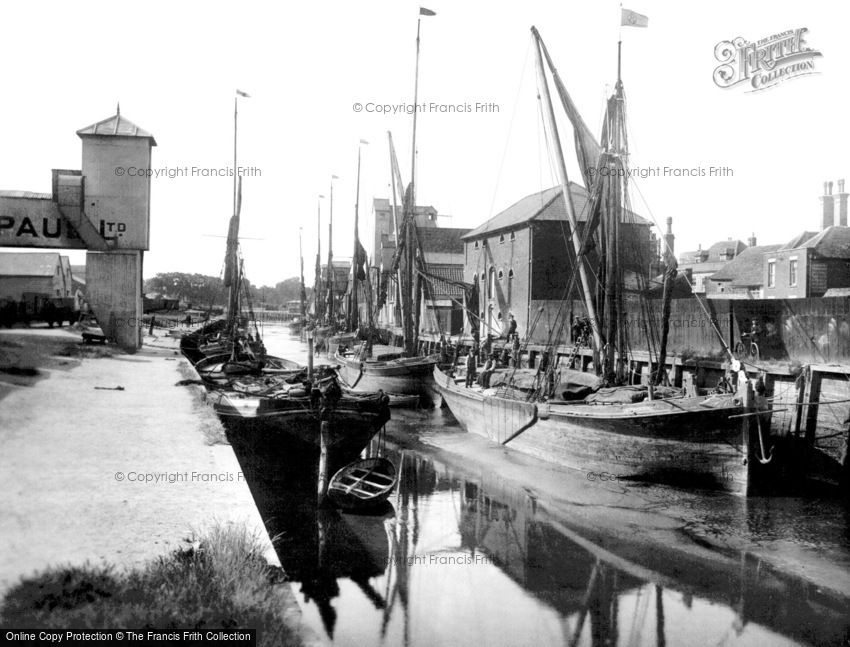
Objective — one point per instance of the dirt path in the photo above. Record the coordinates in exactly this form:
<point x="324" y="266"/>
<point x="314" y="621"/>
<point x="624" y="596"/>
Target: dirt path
<point x="106" y="475"/>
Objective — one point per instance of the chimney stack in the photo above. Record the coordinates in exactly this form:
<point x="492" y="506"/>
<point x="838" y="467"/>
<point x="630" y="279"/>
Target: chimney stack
<point x="828" y="206"/>
<point x="842" y="204"/>
<point x="669" y="242"/>
<point x="751" y="241"/>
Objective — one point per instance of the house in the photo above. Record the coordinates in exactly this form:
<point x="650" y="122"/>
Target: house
<point x="812" y="264"/>
<point x="46" y="274"/>
<point x="809" y="265"/>
<point x="523" y="261"/>
<point x="742" y="277"/>
<point x="703" y="263"/>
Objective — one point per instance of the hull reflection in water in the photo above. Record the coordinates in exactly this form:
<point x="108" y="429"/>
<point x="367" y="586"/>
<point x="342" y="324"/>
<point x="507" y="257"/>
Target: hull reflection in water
<point x="317" y="547"/>
<point x="467" y="559"/>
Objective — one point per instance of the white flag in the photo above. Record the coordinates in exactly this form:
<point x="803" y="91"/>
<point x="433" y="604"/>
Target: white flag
<point x="633" y="19"/>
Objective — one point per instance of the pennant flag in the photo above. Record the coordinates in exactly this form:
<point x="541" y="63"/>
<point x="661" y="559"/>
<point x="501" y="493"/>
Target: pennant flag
<point x="426" y="12"/>
<point x="243" y="94"/>
<point x="631" y="18"/>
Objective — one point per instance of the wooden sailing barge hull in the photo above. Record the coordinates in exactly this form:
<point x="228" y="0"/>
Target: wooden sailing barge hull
<point x="407" y="376"/>
<point x="681" y="443"/>
<point x="269" y="421"/>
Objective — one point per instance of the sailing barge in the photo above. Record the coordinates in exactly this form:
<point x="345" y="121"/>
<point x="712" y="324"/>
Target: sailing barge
<point x="652" y="432"/>
<point x="401" y="372"/>
<point x="267" y="399"/>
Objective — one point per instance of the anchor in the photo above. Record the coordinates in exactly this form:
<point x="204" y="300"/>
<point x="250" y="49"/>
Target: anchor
<point x="762" y="459"/>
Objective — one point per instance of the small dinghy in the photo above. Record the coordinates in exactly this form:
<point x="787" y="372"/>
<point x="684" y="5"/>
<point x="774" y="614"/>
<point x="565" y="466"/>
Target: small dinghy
<point x="363" y="484"/>
<point x="404" y="400"/>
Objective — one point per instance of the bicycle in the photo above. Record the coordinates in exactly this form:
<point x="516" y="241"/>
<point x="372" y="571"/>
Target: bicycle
<point x="747" y="347"/>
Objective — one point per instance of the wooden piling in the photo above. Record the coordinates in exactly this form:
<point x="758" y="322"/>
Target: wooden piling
<point x="324" y="433"/>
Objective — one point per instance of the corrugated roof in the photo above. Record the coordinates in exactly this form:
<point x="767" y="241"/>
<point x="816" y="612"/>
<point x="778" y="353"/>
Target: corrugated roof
<point x="116" y="126"/>
<point x="441" y="239"/>
<point x="22" y="264"/>
<point x="747" y="268"/>
<point x="543" y="205"/>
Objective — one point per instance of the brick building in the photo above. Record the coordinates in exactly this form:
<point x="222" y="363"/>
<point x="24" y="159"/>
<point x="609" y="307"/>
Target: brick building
<point x="809" y="265"/>
<point x="522" y="260"/>
<point x="742" y="277"/>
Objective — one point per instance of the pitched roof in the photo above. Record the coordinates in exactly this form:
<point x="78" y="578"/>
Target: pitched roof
<point x="451" y="287"/>
<point x="23" y="264"/>
<point x="115" y="126"/>
<point x="832" y="242"/>
<point x="544" y="205"/>
<point x="441" y="239"/>
<point x="746" y="268"/>
<point x="799" y="240"/>
<point x="719" y="252"/>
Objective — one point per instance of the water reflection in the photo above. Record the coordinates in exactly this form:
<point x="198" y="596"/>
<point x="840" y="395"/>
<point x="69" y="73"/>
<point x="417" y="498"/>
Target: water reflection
<point x="463" y="558"/>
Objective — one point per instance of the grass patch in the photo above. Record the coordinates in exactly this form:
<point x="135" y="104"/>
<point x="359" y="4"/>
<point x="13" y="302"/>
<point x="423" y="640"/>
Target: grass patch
<point x="219" y="582"/>
<point x="210" y="425"/>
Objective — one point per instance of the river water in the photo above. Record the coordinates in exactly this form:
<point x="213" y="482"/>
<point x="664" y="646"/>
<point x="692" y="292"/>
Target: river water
<point x="464" y="556"/>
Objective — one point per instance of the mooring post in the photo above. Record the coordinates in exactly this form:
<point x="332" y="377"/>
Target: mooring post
<point x="324" y="434"/>
<point x="745" y="392"/>
<point x="310" y="354"/>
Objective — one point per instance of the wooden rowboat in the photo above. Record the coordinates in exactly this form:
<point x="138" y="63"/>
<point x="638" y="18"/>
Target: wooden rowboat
<point x="363" y="483"/>
<point x="402" y="400"/>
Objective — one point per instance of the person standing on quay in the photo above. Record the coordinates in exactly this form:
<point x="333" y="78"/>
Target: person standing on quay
<point x="470" y="369"/>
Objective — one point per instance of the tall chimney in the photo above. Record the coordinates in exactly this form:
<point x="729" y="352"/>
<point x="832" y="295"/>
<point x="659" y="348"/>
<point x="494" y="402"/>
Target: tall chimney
<point x="842" y="204"/>
<point x="751" y="241"/>
<point x="669" y="242"/>
<point x="828" y="206"/>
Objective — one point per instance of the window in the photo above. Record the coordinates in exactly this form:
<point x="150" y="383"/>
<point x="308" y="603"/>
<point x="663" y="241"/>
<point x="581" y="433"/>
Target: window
<point x="501" y="274"/>
<point x="510" y="274"/>
<point x="482" y="276"/>
<point x="771" y="274"/>
<point x="476" y="244"/>
<point x="513" y="235"/>
<point x="501" y="238"/>
<point x="792" y="272"/>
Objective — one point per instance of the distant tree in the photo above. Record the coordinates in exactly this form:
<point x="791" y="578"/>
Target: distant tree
<point x="206" y="291"/>
<point x="200" y="290"/>
<point x="277" y="296"/>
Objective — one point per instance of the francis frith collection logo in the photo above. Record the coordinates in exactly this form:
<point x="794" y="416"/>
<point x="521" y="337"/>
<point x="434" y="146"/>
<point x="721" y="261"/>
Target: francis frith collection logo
<point x="765" y="63"/>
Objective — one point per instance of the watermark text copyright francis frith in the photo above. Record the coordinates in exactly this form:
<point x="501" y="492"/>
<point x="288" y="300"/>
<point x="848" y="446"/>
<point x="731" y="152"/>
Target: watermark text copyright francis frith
<point x="174" y="172"/>
<point x="430" y="107"/>
<point x="170" y="478"/>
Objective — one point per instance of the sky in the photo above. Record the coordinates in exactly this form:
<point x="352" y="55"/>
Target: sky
<point x="175" y="67"/>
